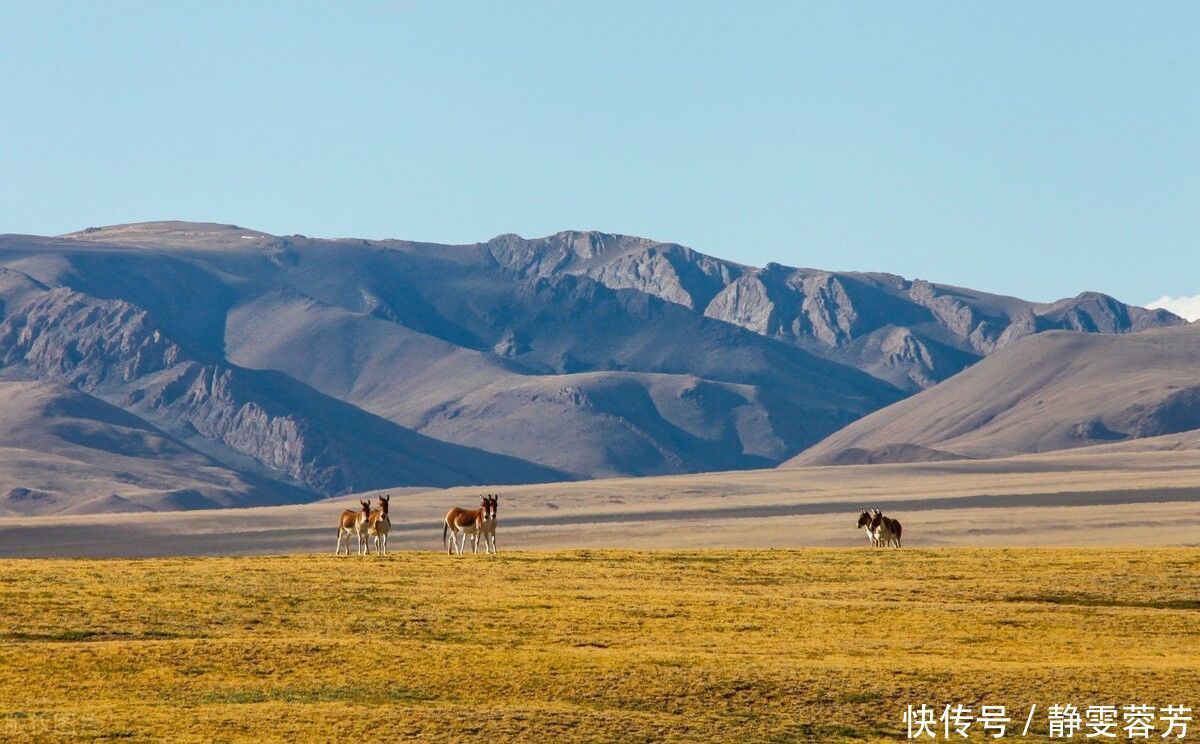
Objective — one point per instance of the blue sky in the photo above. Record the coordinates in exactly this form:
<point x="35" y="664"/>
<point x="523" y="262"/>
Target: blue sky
<point x="1036" y="149"/>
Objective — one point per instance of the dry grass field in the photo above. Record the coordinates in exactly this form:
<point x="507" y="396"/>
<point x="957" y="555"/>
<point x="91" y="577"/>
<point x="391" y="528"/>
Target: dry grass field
<point x="749" y="645"/>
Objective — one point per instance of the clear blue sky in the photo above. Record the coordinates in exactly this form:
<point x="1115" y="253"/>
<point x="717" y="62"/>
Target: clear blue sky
<point x="1037" y="149"/>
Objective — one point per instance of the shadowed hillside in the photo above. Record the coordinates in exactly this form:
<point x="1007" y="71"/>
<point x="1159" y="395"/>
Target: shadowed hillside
<point x="1049" y="392"/>
<point x="65" y="450"/>
<point x="330" y="366"/>
<point x="912" y="334"/>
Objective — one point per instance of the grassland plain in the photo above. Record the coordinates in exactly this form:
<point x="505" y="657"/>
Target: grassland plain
<point x="792" y="645"/>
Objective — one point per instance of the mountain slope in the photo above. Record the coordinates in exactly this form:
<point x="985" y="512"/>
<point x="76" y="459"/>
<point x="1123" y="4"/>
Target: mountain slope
<point x="912" y="334"/>
<point x="325" y="366"/>
<point x="112" y="349"/>
<point x="1046" y="392"/>
<point x="416" y="333"/>
<point x="598" y="423"/>
<point x="520" y="386"/>
<point x="64" y="450"/>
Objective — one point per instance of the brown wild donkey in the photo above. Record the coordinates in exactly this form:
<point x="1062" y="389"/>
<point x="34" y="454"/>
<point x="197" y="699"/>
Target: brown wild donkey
<point x="491" y="504"/>
<point x="462" y="523"/>
<point x="354" y="523"/>
<point x="886" y="529"/>
<point x="378" y="525"/>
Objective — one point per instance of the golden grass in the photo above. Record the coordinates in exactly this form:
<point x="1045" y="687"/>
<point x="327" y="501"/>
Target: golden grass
<point x="587" y="645"/>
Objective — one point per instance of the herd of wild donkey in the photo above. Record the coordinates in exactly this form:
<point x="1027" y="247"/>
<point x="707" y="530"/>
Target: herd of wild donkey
<point x="480" y="525"/>
<point x="373" y="525"/>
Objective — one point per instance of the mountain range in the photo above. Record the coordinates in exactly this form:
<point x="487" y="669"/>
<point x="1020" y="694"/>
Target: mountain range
<point x="191" y="364"/>
<point x="1053" y="391"/>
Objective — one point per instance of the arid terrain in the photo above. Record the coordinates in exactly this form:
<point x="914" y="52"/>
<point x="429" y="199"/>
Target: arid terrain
<point x="1095" y="496"/>
<point x="168" y="366"/>
<point x="807" y="645"/>
<point x="1051" y="391"/>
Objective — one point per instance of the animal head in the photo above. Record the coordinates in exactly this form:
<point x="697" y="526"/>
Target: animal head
<point x="493" y="503"/>
<point x="366" y="506"/>
<point x="864" y="519"/>
<point x="383" y="504"/>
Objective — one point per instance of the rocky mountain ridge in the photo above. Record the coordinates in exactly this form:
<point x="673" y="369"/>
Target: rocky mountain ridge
<point x="328" y="366"/>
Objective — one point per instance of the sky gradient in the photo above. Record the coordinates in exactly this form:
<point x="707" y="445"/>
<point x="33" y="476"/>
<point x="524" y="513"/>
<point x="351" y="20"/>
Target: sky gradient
<point x="1034" y="149"/>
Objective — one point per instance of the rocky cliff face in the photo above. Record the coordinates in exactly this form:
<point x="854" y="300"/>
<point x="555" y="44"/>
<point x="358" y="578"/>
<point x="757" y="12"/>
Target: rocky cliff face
<point x="111" y="349"/>
<point x="851" y="318"/>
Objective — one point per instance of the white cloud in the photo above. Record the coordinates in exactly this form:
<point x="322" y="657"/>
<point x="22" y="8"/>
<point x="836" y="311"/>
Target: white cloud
<point x="1184" y="307"/>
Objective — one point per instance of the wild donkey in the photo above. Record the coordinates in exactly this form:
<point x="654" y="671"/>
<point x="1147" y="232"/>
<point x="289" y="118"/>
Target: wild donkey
<point x="378" y="525"/>
<point x="883" y="531"/>
<point x="887" y="528"/>
<point x="462" y="523"/>
<point x="354" y="523"/>
<point x="491" y="504"/>
<point x="864" y="520"/>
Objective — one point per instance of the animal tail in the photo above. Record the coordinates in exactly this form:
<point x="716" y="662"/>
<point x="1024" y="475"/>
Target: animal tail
<point x="899" y="529"/>
<point x="445" y="531"/>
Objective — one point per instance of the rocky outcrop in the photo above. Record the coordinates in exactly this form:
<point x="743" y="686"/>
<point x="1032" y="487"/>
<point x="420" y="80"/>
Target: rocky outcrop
<point x="112" y="349"/>
<point x="348" y="364"/>
<point x="836" y="315"/>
